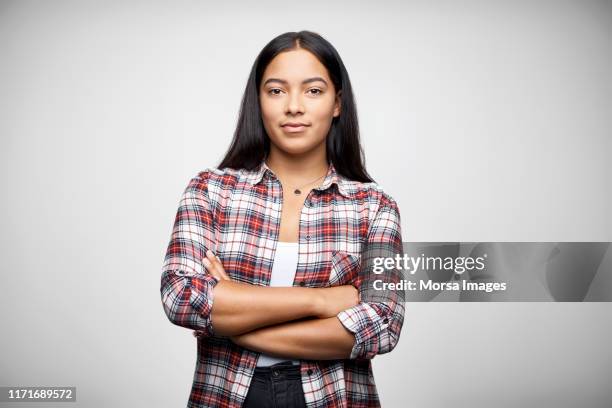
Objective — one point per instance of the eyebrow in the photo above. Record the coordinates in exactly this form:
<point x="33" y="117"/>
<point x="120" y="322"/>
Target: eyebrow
<point x="306" y="81"/>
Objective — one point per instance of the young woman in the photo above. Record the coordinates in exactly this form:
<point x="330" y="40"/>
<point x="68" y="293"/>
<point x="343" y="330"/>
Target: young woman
<point x="265" y="254"/>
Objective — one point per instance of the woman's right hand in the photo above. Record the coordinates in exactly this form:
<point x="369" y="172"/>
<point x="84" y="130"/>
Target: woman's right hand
<point x="335" y="299"/>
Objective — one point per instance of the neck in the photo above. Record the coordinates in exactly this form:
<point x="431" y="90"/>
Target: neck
<point x="295" y="170"/>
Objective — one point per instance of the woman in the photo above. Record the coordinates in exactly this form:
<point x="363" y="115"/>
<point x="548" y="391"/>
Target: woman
<point x="265" y="255"/>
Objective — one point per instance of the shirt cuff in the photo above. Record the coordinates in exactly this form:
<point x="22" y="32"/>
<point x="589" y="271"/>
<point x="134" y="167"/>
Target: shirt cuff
<point x="201" y="297"/>
<point x="369" y="322"/>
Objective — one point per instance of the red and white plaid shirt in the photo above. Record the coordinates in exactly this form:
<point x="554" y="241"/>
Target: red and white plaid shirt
<point x="237" y="214"/>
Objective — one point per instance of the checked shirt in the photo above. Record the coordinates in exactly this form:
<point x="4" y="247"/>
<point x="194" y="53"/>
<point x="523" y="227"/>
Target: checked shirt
<point x="236" y="213"/>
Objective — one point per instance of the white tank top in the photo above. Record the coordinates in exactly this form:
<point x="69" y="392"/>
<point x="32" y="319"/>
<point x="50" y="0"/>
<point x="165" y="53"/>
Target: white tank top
<point x="283" y="273"/>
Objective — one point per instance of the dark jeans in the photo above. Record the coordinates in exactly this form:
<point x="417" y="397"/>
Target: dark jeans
<point x="276" y="386"/>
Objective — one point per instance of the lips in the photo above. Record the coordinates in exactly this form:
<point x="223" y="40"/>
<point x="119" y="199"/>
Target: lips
<point x="294" y="127"/>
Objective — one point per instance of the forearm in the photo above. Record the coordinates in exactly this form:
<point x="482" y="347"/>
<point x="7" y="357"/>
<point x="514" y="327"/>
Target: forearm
<point x="239" y="307"/>
<point x="312" y="339"/>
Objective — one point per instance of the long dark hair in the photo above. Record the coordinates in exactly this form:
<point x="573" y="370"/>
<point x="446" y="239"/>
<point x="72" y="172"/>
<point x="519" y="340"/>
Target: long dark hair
<point x="251" y="144"/>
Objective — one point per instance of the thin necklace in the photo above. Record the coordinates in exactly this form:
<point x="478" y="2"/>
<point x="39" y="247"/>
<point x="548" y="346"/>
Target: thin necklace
<point x="297" y="190"/>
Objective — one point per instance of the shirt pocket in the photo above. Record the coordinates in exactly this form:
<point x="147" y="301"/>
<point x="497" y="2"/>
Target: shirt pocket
<point x="345" y="269"/>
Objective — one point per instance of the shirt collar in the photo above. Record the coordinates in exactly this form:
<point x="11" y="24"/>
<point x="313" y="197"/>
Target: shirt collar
<point x="332" y="177"/>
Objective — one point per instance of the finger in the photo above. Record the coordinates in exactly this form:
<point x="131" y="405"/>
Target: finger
<point x="210" y="255"/>
<point x="222" y="274"/>
<point x="216" y="262"/>
<point x="215" y="270"/>
<point x="211" y="269"/>
<point x="221" y="269"/>
<point x="212" y="260"/>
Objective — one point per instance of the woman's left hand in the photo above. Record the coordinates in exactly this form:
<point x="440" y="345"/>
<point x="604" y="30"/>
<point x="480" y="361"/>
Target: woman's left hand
<point x="214" y="267"/>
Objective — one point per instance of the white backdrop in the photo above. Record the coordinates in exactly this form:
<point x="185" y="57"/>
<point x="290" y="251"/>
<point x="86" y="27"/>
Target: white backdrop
<point x="486" y="121"/>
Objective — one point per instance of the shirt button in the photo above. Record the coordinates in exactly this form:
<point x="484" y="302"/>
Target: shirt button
<point x="309" y="371"/>
<point x="275" y="373"/>
<point x="307" y="237"/>
<point x="302" y="283"/>
<point x="385" y="320"/>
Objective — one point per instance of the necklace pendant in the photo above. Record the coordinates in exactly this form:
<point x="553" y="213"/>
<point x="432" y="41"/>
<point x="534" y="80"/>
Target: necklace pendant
<point x="297" y="191"/>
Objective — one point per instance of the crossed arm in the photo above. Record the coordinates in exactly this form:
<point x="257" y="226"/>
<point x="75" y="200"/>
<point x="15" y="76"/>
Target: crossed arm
<point x="284" y="322"/>
<point x="295" y="322"/>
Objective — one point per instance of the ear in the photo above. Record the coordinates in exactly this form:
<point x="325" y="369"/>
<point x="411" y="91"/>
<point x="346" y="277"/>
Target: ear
<point x="337" y="104"/>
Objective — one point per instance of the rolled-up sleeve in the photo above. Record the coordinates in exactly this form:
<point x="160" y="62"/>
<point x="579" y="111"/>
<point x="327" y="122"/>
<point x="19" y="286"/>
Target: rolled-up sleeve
<point x="186" y="287"/>
<point x="377" y="325"/>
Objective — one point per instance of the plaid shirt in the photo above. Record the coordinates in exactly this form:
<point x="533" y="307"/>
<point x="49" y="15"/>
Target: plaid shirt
<point x="237" y="214"/>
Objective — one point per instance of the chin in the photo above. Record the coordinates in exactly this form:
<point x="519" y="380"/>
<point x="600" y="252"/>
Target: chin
<point x="295" y="145"/>
<point x="296" y="150"/>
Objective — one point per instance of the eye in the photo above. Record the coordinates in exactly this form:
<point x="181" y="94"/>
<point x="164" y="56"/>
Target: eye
<point x="318" y="91"/>
<point x="273" y="91"/>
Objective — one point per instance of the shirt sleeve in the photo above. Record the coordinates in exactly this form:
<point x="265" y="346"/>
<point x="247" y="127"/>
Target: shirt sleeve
<point x="186" y="287"/>
<point x="377" y="325"/>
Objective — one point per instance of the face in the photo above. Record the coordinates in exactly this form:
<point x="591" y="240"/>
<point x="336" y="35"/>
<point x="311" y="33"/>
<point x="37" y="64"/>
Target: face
<point x="298" y="102"/>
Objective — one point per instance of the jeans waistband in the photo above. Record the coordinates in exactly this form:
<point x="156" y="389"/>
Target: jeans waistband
<point x="284" y="369"/>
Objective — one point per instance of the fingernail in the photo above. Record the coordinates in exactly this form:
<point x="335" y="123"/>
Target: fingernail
<point x="206" y="262"/>
<point x="209" y="252"/>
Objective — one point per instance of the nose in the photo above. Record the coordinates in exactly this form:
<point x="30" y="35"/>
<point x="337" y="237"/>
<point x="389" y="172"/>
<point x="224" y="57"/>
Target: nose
<point x="294" y="104"/>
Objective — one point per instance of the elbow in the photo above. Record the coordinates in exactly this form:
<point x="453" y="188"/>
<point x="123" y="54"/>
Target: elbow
<point x="185" y="306"/>
<point x="394" y="336"/>
<point x="382" y="343"/>
<point x="394" y="328"/>
<point x="377" y="328"/>
<point x="393" y="333"/>
<point x="172" y="308"/>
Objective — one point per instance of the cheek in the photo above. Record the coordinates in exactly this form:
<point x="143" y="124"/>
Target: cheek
<point x="269" y="108"/>
<point x="266" y="112"/>
<point x="323" y="110"/>
<point x="270" y="120"/>
<point x="323" y="117"/>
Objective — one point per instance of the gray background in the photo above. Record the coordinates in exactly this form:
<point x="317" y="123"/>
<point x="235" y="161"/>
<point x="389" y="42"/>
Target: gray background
<point x="487" y="121"/>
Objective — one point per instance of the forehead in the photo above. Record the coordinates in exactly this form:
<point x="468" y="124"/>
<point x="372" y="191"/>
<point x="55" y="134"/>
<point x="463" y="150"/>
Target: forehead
<point x="294" y="66"/>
